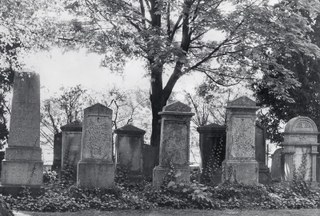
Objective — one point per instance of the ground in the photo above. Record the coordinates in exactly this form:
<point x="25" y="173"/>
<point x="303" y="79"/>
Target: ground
<point x="283" y="212"/>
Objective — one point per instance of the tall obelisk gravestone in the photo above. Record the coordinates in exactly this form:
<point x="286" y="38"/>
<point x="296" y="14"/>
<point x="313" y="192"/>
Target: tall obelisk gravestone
<point x="22" y="165"/>
<point x="96" y="167"/>
<point x="240" y="164"/>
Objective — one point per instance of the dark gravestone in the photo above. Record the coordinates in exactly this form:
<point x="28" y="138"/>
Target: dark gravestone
<point x="277" y="166"/>
<point x="57" y="152"/>
<point x="148" y="154"/>
<point x="260" y="143"/>
<point x="71" y="145"/>
<point x="129" y="142"/>
<point x="212" y="151"/>
<point x="2" y="153"/>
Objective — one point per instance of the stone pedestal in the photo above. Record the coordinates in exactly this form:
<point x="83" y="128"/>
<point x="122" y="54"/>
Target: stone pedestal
<point x="22" y="166"/>
<point x="96" y="167"/>
<point x="71" y="144"/>
<point x="240" y="164"/>
<point x="129" y="142"/>
<point x="174" y="143"/>
<point x="300" y="149"/>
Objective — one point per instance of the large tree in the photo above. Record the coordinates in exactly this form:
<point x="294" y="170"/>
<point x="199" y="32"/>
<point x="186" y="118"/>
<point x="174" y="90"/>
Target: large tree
<point x="227" y="40"/>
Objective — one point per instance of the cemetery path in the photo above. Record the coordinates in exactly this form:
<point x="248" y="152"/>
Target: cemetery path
<point x="282" y="212"/>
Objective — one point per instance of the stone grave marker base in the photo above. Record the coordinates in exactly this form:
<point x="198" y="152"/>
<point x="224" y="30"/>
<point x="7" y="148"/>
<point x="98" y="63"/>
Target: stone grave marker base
<point x="159" y="173"/>
<point x="16" y="190"/>
<point x="245" y="172"/>
<point x="93" y="174"/>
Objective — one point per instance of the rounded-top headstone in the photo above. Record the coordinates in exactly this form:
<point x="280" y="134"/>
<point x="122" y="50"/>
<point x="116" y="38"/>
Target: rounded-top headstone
<point x="300" y="124"/>
<point x="98" y="109"/>
<point x="130" y="129"/>
<point x="242" y="102"/>
<point x="72" y="126"/>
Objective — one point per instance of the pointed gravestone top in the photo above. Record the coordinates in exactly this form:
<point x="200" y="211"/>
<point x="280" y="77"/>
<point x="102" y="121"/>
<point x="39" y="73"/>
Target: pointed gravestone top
<point x="98" y="109"/>
<point x="72" y="126"/>
<point x="242" y="102"/>
<point x="130" y="129"/>
<point x="177" y="107"/>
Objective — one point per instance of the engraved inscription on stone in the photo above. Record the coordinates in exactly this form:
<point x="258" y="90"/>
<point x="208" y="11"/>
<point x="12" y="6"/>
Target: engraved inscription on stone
<point x="303" y="125"/>
<point x="243" y="138"/>
<point x="175" y="143"/>
<point x="97" y="138"/>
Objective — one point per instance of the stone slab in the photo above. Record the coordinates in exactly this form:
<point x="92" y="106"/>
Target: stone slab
<point x="159" y="173"/>
<point x="23" y="153"/>
<point x="95" y="174"/>
<point x="22" y="173"/>
<point x="246" y="172"/>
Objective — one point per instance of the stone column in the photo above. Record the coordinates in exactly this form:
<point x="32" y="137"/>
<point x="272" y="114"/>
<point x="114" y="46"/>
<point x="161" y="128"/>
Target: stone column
<point x="300" y="149"/>
<point x="23" y="165"/>
<point x="129" y="142"/>
<point x="240" y="164"/>
<point x="174" y="143"/>
<point x="96" y="167"/>
<point x="71" y="144"/>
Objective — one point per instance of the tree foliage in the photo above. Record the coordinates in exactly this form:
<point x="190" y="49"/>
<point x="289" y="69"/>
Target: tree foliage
<point x="303" y="100"/>
<point x="181" y="36"/>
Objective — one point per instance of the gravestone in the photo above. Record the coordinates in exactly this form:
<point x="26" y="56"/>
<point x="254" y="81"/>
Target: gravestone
<point x="260" y="147"/>
<point x="2" y="153"/>
<point x="240" y="164"/>
<point x="22" y="166"/>
<point x="300" y="149"/>
<point x="174" y="143"/>
<point x="71" y="145"/>
<point x="149" y="153"/>
<point x="57" y="151"/>
<point x="212" y="150"/>
<point x="129" y="142"/>
<point x="96" y="167"/>
<point x="277" y="166"/>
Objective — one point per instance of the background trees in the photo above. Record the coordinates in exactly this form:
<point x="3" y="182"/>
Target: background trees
<point x="178" y="37"/>
<point x="303" y="100"/>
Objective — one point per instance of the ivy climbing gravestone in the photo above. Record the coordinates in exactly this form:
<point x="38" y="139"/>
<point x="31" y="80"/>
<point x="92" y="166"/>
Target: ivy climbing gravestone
<point x="240" y="164"/>
<point x="22" y="166"/>
<point x="96" y="167"/>
<point x="300" y="149"/>
<point x="174" y="143"/>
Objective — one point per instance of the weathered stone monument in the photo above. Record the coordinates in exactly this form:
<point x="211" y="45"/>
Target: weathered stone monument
<point x="174" y="143"/>
<point x="22" y="165"/>
<point x="129" y="142"/>
<point x="240" y="164"/>
<point x="149" y="153"/>
<point x="96" y="167"/>
<point x="300" y="149"/>
<point x="71" y="144"/>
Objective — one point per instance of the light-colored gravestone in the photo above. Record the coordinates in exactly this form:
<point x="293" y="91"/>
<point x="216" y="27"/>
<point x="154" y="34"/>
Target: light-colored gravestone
<point x="300" y="149"/>
<point x="240" y="164"/>
<point x="129" y="142"/>
<point x="96" y="167"/>
<point x="22" y="165"/>
<point x="174" y="143"/>
<point x="71" y="144"/>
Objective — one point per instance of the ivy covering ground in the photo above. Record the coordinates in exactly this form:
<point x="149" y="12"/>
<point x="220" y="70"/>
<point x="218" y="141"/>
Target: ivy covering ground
<point x="65" y="196"/>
